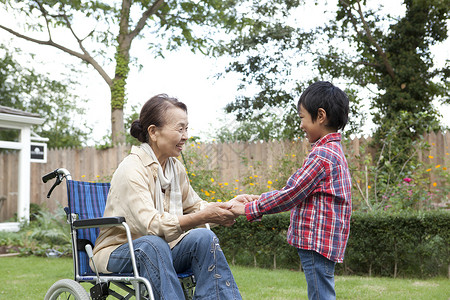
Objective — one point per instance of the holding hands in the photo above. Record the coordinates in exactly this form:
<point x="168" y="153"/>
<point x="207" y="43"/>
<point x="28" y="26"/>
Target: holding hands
<point x="238" y="203"/>
<point x="225" y="213"/>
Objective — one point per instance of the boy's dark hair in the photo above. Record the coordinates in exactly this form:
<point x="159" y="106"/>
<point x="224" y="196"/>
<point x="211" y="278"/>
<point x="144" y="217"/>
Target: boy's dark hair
<point x="323" y="94"/>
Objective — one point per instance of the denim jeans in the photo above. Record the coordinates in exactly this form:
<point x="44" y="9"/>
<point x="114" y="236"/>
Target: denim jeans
<point x="199" y="251"/>
<point x="319" y="273"/>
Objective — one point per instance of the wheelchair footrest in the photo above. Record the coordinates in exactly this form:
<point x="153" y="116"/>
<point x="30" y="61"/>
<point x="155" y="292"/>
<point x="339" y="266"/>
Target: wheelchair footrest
<point x="100" y="291"/>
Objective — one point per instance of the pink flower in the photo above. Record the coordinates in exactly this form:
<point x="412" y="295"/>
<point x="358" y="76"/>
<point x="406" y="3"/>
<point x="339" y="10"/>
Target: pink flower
<point x="407" y="179"/>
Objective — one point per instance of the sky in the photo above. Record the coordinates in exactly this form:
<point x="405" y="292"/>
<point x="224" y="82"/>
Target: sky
<point x="182" y="74"/>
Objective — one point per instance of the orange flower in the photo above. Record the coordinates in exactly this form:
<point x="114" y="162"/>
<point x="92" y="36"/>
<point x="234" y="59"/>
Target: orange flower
<point x="428" y="170"/>
<point x="430" y="156"/>
<point x="438" y="166"/>
<point x="434" y="184"/>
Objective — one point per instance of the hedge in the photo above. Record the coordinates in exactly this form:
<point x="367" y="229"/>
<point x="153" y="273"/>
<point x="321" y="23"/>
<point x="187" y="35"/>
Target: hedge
<point x="413" y="244"/>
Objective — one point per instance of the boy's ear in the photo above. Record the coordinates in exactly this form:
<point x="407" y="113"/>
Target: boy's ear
<point x="322" y="116"/>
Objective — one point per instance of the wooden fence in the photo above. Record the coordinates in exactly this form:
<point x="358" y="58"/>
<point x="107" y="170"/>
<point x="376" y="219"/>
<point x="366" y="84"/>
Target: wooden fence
<point x="232" y="161"/>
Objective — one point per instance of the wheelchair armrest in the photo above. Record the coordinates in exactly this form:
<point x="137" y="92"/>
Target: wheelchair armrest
<point x="98" y="222"/>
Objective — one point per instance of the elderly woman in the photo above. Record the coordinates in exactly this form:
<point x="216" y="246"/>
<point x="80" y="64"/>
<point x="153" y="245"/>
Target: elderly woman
<point x="150" y="188"/>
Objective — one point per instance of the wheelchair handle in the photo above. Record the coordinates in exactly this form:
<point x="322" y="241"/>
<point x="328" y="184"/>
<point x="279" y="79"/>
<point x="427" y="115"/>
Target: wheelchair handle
<point x="60" y="174"/>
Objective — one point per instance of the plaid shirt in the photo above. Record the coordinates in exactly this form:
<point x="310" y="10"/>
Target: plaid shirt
<point x="319" y="195"/>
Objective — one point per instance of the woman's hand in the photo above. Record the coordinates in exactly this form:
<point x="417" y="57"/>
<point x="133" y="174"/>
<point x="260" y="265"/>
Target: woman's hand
<point x="219" y="213"/>
<point x="244" y="198"/>
<point x="238" y="209"/>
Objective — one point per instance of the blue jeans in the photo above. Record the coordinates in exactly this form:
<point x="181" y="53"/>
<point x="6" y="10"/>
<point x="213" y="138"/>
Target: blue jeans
<point x="199" y="251"/>
<point x="319" y="273"/>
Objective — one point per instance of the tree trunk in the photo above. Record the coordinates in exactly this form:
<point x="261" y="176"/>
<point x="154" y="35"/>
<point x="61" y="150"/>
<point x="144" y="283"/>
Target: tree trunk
<point x="117" y="126"/>
<point x="275" y="261"/>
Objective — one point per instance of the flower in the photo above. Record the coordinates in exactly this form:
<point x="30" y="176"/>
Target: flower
<point x="269" y="182"/>
<point x="434" y="184"/>
<point x="428" y="170"/>
<point x="430" y="156"/>
<point x="438" y="166"/>
<point x="407" y="179"/>
<point x="369" y="187"/>
<point x="212" y="179"/>
<point x="444" y="168"/>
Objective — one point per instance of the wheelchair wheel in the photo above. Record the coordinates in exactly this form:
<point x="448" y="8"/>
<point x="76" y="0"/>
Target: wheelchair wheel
<point x="66" y="289"/>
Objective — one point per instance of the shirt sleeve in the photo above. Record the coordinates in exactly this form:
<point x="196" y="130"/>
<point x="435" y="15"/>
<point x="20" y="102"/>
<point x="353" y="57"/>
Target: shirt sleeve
<point x="298" y="187"/>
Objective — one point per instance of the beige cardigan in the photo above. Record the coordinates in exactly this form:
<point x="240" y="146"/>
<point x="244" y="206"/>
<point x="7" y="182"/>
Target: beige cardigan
<point x="132" y="196"/>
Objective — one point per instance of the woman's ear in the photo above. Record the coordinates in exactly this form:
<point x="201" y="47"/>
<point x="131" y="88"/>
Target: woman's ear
<point x="151" y="133"/>
<point x="322" y="116"/>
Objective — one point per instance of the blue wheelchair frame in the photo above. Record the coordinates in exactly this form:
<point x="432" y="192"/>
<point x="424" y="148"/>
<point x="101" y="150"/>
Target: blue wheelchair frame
<point x="87" y="202"/>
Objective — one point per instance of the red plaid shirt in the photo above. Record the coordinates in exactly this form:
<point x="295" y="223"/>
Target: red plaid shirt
<point x="319" y="195"/>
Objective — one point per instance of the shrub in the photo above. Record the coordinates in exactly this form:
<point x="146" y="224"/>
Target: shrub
<point x="414" y="244"/>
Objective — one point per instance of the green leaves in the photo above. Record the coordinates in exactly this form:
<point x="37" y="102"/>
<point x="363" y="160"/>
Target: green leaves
<point x="24" y="89"/>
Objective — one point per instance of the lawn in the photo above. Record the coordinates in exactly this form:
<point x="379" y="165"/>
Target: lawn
<point x="29" y="278"/>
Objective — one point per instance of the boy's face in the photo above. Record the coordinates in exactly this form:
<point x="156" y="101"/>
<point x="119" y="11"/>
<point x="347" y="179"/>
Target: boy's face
<point x="313" y="130"/>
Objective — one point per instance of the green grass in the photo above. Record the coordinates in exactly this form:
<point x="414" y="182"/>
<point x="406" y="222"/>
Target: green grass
<point x="29" y="278"/>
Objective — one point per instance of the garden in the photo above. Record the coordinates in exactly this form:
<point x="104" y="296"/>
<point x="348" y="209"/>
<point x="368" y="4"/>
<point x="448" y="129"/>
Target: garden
<point x="398" y="245"/>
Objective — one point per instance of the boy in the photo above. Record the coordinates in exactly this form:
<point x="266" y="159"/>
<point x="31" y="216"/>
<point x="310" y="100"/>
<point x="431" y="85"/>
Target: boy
<point x="318" y="193"/>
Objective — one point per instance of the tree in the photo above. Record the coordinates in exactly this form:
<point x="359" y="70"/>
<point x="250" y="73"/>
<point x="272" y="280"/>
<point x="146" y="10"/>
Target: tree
<point x="387" y="58"/>
<point x="392" y="56"/>
<point x="170" y="24"/>
<point x="24" y="89"/>
<point x="397" y="62"/>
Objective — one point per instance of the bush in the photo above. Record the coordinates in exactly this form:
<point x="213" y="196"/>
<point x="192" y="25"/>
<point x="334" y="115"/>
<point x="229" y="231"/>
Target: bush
<point x="44" y="231"/>
<point x="413" y="244"/>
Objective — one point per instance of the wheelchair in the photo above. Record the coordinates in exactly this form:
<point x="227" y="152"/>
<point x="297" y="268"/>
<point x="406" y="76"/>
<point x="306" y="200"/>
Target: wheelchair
<point x="87" y="202"/>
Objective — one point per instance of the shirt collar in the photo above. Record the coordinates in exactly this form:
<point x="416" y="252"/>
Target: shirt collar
<point x="334" y="136"/>
<point x="144" y="157"/>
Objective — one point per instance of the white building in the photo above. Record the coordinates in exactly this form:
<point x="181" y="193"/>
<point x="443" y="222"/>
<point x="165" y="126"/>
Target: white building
<point x="19" y="120"/>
